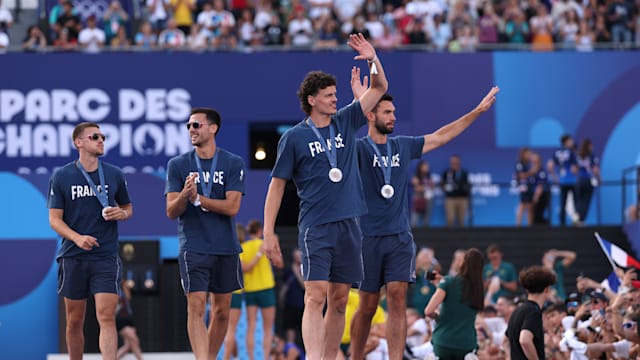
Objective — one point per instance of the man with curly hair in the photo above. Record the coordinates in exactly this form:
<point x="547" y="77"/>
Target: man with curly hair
<point x="319" y="154"/>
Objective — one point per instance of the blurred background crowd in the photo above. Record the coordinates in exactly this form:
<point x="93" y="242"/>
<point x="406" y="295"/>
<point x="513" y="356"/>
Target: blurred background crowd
<point x="438" y="25"/>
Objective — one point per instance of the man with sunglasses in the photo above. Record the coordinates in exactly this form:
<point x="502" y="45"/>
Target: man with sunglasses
<point x="204" y="190"/>
<point x="87" y="198"/>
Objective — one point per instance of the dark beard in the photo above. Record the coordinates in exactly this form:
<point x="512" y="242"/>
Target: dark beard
<point x="383" y="129"/>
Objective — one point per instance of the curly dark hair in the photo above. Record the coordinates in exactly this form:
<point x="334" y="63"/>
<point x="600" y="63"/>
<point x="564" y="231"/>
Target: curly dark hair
<point x="312" y="83"/>
<point x="536" y="278"/>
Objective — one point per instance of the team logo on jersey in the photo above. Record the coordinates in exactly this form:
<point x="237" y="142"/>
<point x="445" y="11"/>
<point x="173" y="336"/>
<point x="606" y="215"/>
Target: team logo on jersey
<point x="395" y="160"/>
<point x="218" y="177"/>
<point x="315" y="147"/>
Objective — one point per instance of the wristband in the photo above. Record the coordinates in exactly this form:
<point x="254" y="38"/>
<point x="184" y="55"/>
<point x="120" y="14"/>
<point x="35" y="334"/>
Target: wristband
<point x="126" y="214"/>
<point x="372" y="63"/>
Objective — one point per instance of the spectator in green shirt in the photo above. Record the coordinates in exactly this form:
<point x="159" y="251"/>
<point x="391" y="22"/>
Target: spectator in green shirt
<point x="558" y="260"/>
<point x="498" y="271"/>
<point x="454" y="305"/>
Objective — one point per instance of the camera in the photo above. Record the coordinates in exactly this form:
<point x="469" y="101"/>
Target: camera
<point x="430" y="275"/>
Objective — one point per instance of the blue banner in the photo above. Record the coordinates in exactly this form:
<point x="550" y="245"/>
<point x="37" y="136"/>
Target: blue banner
<point x="142" y="101"/>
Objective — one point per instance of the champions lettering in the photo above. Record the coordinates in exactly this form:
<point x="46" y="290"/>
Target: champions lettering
<point x="39" y="123"/>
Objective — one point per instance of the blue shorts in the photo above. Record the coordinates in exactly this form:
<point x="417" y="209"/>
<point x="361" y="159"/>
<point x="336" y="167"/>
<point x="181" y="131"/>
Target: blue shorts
<point x="388" y="258"/>
<point x="80" y="277"/>
<point x="219" y="274"/>
<point x="332" y="252"/>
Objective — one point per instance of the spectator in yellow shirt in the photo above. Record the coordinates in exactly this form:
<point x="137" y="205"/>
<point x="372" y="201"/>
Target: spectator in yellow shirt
<point x="183" y="13"/>
<point x="377" y="325"/>
<point x="259" y="288"/>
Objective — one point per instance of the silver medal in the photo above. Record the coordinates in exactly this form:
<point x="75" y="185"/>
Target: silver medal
<point x="335" y="175"/>
<point x="387" y="191"/>
<point x="104" y="211"/>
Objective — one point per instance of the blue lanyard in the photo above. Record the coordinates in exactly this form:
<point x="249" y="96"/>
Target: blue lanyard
<point x="386" y="170"/>
<point x="329" y="150"/>
<point x="102" y="195"/>
<point x="206" y="188"/>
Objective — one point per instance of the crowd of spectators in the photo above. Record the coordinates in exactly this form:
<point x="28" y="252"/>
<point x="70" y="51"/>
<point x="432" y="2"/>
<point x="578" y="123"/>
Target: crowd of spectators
<point x="599" y="320"/>
<point x="441" y="25"/>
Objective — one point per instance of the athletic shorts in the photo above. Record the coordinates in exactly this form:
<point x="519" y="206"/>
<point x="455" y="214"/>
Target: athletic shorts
<point x="262" y="299"/>
<point x="332" y="252"/>
<point x="80" y="277"/>
<point x="236" y="301"/>
<point x="526" y="196"/>
<point x="121" y="323"/>
<point x="388" y="258"/>
<point x="219" y="274"/>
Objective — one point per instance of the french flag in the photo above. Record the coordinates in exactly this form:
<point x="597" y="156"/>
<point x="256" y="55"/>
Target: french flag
<point x="616" y="255"/>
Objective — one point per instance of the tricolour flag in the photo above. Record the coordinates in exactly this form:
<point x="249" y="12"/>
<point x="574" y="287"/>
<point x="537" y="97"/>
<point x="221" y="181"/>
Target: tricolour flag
<point x="616" y="255"/>
<point x="612" y="282"/>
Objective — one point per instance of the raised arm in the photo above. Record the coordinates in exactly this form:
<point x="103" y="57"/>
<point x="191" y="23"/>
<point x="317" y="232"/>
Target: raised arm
<point x="456" y="127"/>
<point x="358" y="87"/>
<point x="379" y="83"/>
<point x="431" y="309"/>
<point x="568" y="256"/>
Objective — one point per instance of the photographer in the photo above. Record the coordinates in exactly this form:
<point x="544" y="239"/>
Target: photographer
<point x="461" y="297"/>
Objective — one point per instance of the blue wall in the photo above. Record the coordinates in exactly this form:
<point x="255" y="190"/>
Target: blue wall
<point x="143" y="99"/>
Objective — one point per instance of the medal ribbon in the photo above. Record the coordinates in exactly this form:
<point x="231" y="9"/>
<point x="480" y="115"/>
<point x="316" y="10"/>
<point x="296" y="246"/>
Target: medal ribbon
<point x="100" y="195"/>
<point x="330" y="151"/>
<point x="386" y="170"/>
<point x="206" y="188"/>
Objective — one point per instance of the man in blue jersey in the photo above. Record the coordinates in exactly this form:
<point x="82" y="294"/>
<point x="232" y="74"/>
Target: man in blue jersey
<point x="204" y="190"/>
<point x="319" y="154"/>
<point x="388" y="249"/>
<point x="565" y="164"/>
<point x="87" y="198"/>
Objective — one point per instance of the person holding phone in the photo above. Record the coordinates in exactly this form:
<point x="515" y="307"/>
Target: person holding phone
<point x="461" y="297"/>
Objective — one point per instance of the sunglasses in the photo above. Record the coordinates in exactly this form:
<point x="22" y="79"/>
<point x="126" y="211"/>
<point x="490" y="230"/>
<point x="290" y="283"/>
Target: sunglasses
<point x="96" y="136"/>
<point x="628" y="325"/>
<point x="572" y="304"/>
<point x="195" y="124"/>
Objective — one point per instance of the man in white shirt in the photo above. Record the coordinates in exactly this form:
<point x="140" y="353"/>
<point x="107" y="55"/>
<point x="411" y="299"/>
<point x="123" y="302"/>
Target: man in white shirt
<point x="157" y="10"/>
<point x="91" y="39"/>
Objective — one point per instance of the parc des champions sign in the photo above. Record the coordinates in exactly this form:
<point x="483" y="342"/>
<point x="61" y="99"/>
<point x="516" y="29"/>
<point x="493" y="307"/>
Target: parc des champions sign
<point x="138" y="122"/>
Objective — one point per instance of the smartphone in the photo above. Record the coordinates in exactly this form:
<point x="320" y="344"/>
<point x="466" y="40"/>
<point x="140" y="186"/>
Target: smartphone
<point x="430" y="275"/>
